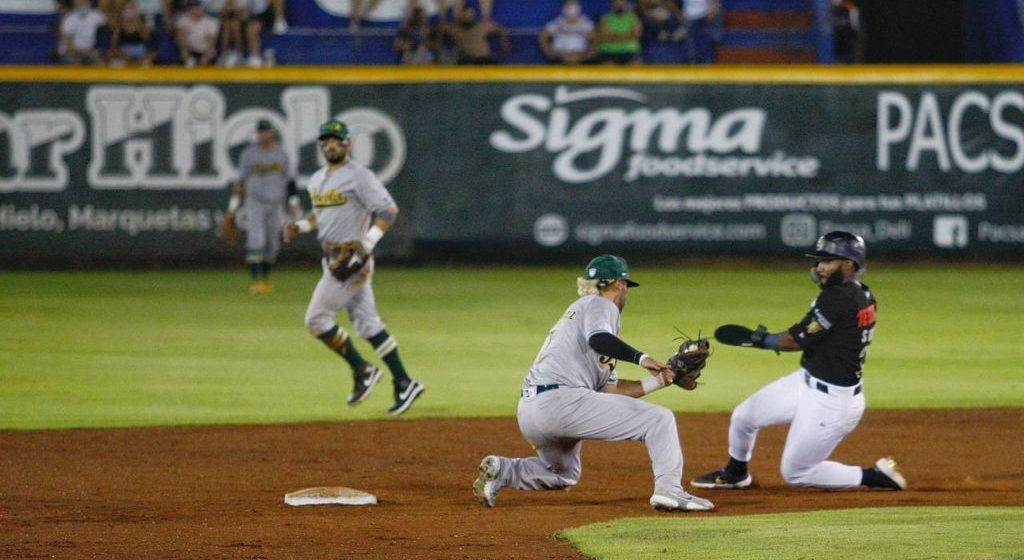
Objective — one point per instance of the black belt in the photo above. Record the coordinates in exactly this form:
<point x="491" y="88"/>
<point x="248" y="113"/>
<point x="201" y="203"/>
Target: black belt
<point x="542" y="388"/>
<point x="815" y="384"/>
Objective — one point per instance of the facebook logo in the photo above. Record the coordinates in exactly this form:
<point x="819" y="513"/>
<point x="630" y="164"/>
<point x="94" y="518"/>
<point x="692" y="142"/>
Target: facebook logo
<point x="950" y="231"/>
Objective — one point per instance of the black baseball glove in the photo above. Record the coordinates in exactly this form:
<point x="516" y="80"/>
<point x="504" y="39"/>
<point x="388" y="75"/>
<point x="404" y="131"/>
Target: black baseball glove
<point x="346" y="259"/>
<point x="689" y="361"/>
<point x="738" y="335"/>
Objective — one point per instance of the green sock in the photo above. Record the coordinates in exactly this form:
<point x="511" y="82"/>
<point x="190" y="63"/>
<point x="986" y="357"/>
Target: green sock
<point x="387" y="348"/>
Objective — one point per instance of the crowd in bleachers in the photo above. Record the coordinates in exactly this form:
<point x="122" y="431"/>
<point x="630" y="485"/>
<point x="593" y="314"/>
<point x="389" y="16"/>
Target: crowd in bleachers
<point x="231" y="32"/>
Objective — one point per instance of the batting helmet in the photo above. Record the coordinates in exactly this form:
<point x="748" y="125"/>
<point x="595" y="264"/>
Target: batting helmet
<point x="841" y="245"/>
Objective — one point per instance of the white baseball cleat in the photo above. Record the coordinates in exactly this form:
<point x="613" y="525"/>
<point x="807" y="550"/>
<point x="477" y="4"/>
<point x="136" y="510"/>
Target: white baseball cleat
<point x="486" y="485"/>
<point x="681" y="502"/>
<point x="887" y="466"/>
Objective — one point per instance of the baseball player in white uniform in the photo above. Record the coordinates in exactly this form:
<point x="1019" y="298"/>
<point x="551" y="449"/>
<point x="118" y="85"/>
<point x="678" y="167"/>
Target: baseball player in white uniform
<point x="572" y="393"/>
<point x="823" y="400"/>
<point x="351" y="205"/>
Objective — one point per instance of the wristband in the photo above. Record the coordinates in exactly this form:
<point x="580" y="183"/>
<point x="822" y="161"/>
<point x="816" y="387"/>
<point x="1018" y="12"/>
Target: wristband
<point x="372" y="237"/>
<point x="304" y="226"/>
<point x="293" y="200"/>
<point x="641" y="360"/>
<point x="233" y="203"/>
<point x="650" y="384"/>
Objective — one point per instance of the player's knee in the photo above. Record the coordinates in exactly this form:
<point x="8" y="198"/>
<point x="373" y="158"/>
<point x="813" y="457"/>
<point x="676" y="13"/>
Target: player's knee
<point x="318" y="325"/>
<point x="664" y="418"/>
<point x="742" y="415"/>
<point x="367" y="328"/>
<point x="794" y="474"/>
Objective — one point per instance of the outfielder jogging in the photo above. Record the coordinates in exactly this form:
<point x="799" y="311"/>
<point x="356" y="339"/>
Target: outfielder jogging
<point x="351" y="212"/>
<point x="823" y="400"/>
<point x="265" y="178"/>
<point x="572" y="393"/>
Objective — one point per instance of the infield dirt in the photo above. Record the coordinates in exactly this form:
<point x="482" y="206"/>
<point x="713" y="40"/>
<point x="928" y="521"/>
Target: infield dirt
<point x="217" y="492"/>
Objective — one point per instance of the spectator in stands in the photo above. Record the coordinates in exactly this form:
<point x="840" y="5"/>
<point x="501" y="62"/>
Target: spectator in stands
<point x="262" y="14"/>
<point x="416" y="41"/>
<point x="78" y="33"/>
<point x="618" y="35"/>
<point x="173" y="10"/>
<point x="847" y="33"/>
<point x="197" y="35"/>
<point x="566" y="39"/>
<point x="62" y="9"/>
<point x="131" y="41"/>
<point x="471" y="37"/>
<point x="700" y="29"/>
<point x="229" y="14"/>
<point x="663" y="20"/>
<point x="486" y="8"/>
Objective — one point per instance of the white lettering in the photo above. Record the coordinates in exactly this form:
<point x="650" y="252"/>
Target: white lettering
<point x="591" y="145"/>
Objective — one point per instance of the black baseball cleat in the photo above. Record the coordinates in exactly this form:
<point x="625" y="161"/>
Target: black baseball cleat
<point x="886" y="466"/>
<point x="722" y="479"/>
<point x="365" y="381"/>
<point x="405" y="394"/>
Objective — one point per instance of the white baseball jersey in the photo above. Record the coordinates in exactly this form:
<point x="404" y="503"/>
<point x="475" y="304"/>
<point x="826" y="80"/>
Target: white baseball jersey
<point x="566" y="358"/>
<point x="344" y="202"/>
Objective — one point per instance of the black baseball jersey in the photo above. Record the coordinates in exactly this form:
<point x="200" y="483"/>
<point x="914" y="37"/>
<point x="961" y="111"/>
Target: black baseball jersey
<point x="836" y="332"/>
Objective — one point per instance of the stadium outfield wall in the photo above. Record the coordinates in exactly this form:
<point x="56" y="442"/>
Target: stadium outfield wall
<point x="131" y="167"/>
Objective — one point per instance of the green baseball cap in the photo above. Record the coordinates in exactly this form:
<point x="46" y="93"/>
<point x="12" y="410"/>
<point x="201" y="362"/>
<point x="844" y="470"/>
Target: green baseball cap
<point x="333" y="129"/>
<point x="608" y="267"/>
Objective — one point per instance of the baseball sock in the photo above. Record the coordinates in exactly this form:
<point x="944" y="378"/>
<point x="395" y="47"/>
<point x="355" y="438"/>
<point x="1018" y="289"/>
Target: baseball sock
<point x="256" y="270"/>
<point x="265" y="270"/>
<point x="387" y="348"/>
<point x="873" y="479"/>
<point x="736" y="468"/>
<point x="339" y="341"/>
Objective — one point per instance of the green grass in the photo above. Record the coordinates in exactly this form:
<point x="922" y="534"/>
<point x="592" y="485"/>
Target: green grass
<point x="975" y="533"/>
<point x="124" y="348"/>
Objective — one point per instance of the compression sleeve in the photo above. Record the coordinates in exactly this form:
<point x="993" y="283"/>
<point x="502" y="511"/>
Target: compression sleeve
<point x="607" y="344"/>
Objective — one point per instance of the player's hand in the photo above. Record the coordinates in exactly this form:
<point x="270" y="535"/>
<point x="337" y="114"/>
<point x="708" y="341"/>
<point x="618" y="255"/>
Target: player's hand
<point x="655" y="368"/>
<point x="291" y="231"/>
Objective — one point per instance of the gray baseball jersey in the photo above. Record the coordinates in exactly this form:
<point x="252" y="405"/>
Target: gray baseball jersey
<point x="265" y="174"/>
<point x="566" y="357"/>
<point x="345" y="201"/>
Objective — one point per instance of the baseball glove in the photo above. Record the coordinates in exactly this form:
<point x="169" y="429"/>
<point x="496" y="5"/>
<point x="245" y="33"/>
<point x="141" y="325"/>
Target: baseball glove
<point x="689" y="361"/>
<point x="346" y="259"/>
<point x="738" y="335"/>
<point x="228" y="229"/>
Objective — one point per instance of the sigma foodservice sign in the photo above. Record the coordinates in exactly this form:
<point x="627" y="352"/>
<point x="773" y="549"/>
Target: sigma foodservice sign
<point x="619" y="131"/>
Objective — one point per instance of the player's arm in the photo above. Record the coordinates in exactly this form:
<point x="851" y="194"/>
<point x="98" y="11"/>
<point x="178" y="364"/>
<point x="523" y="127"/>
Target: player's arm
<point x="235" y="200"/>
<point x="305" y="225"/>
<point x="607" y="344"/>
<point x="382" y="220"/>
<point x="817" y="324"/>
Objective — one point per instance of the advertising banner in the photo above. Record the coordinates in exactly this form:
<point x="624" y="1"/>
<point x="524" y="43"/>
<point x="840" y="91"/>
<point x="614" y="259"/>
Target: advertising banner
<point x="138" y="173"/>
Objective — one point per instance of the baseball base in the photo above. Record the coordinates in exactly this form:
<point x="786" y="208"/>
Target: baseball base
<point x="323" y="495"/>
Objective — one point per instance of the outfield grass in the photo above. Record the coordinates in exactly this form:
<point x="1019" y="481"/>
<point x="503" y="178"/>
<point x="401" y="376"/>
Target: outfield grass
<point x="125" y="348"/>
<point x="931" y="533"/>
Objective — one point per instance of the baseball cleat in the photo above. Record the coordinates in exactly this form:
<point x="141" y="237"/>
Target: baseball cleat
<point x="721" y="479"/>
<point x="485" y="487"/>
<point x="365" y="381"/>
<point x="887" y="466"/>
<point x="683" y="502"/>
<point x="404" y="397"/>
<point x="259" y="287"/>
